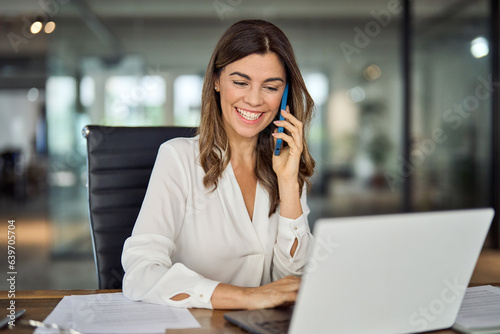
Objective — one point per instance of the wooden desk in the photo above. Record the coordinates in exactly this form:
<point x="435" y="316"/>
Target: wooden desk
<point x="39" y="304"/>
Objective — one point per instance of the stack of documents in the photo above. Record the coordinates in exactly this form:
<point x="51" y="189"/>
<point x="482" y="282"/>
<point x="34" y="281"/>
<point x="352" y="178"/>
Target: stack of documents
<point x="113" y="313"/>
<point x="480" y="311"/>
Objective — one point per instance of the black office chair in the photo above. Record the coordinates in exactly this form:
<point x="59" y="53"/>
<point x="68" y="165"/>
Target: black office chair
<point x="119" y="161"/>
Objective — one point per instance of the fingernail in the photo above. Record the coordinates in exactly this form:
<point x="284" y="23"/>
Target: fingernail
<point x="274" y="134"/>
<point x="276" y="122"/>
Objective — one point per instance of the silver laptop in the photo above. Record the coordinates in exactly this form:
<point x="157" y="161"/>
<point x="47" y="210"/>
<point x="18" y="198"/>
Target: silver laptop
<point x="400" y="273"/>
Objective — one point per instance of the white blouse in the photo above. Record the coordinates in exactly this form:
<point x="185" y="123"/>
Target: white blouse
<point x="188" y="239"/>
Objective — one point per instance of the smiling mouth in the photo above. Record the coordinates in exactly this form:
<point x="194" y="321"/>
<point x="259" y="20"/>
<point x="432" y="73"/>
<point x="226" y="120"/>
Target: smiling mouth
<point x="249" y="116"/>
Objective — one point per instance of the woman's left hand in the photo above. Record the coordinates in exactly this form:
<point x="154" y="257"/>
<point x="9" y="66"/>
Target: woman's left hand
<point x="286" y="165"/>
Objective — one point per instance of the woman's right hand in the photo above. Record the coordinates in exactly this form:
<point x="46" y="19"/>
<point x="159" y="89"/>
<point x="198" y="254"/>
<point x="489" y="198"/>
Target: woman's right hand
<point x="281" y="292"/>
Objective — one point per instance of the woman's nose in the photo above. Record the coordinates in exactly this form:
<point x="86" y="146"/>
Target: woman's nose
<point x="253" y="97"/>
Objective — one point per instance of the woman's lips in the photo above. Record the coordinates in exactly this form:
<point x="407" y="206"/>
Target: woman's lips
<point x="249" y="116"/>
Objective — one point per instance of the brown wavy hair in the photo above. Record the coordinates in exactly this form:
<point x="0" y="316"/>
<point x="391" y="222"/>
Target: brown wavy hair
<point x="242" y="39"/>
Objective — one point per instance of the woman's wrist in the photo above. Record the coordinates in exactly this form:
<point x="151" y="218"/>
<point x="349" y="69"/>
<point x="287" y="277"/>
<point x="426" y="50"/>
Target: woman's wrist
<point x="226" y="296"/>
<point x="290" y="206"/>
<point x="287" y="185"/>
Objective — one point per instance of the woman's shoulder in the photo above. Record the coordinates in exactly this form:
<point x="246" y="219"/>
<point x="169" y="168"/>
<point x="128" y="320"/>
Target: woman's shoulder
<point x="184" y="147"/>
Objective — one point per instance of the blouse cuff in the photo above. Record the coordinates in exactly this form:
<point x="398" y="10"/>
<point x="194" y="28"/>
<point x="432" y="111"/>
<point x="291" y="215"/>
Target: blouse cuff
<point x="201" y="295"/>
<point x="292" y="228"/>
<point x="184" y="280"/>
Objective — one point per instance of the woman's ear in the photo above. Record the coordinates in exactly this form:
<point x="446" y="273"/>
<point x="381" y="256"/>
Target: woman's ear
<point x="216" y="85"/>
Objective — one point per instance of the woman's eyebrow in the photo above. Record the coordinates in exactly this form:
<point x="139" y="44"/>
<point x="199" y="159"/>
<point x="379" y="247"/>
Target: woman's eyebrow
<point x="248" y="77"/>
<point x="241" y="75"/>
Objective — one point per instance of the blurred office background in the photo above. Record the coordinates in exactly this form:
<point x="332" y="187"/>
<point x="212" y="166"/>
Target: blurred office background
<point x="405" y="120"/>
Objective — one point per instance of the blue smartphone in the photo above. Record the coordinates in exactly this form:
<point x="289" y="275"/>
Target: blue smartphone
<point x="277" y="148"/>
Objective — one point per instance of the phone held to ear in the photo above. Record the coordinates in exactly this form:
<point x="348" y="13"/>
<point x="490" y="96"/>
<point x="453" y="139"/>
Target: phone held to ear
<point x="279" y="141"/>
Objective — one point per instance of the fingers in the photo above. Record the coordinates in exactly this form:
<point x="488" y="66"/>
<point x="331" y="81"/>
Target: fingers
<point x="294" y="133"/>
<point x="289" y="280"/>
<point x="291" y="123"/>
<point x="280" y="292"/>
<point x="286" y="290"/>
<point x="289" y="283"/>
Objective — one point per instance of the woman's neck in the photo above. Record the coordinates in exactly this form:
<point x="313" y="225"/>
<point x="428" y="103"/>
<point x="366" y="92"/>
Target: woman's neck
<point x="242" y="150"/>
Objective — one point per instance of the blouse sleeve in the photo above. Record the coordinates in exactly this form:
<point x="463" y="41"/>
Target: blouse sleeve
<point x="289" y="230"/>
<point x="150" y="275"/>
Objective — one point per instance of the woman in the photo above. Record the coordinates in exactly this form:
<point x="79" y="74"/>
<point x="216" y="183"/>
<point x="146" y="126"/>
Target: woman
<point x="224" y="221"/>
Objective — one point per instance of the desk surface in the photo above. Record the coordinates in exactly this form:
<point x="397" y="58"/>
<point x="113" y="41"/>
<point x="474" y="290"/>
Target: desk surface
<point x="40" y="303"/>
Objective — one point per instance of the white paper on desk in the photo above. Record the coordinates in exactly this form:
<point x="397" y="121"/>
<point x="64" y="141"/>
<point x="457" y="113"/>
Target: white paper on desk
<point x="480" y="307"/>
<point x="113" y="313"/>
<point x="61" y="315"/>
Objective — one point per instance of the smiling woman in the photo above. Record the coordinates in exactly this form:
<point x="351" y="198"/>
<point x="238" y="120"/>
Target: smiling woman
<point x="194" y="244"/>
<point x="244" y="42"/>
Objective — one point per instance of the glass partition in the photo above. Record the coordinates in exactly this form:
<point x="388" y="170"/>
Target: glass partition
<point x="451" y="112"/>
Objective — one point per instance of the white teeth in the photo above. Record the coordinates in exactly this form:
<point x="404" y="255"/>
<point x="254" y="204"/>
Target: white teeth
<point x="249" y="116"/>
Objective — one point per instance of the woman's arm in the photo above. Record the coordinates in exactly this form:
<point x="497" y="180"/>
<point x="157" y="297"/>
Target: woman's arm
<point x="286" y="166"/>
<point x="150" y="274"/>
<point x="293" y="231"/>
<point x="290" y="206"/>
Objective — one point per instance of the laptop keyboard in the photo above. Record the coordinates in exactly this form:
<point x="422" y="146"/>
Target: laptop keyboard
<point x="275" y="327"/>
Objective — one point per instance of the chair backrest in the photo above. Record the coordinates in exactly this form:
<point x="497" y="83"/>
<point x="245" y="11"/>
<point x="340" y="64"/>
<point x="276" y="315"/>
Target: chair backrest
<point x="119" y="161"/>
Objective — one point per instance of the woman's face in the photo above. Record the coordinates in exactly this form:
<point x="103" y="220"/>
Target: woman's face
<point x="250" y="94"/>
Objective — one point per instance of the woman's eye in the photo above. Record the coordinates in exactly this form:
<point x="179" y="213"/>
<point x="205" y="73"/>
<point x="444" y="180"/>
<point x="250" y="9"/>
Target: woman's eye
<point x="272" y="89"/>
<point x="239" y="83"/>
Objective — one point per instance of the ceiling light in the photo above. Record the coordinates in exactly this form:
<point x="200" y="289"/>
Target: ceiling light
<point x="372" y="72"/>
<point x="479" y="47"/>
<point x="36" y="27"/>
<point x="49" y="27"/>
<point x="357" y="94"/>
<point x="33" y="94"/>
